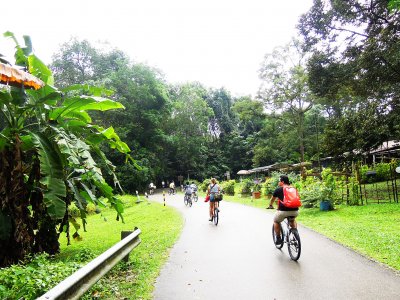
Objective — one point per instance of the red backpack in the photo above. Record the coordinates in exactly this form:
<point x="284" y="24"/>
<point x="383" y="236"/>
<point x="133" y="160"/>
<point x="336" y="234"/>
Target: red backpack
<point x="291" y="198"/>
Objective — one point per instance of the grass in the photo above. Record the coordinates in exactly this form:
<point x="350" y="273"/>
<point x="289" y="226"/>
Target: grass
<point x="160" y="227"/>
<point x="372" y="230"/>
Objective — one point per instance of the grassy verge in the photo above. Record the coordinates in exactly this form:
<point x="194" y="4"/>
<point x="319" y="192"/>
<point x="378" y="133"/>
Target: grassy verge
<point x="160" y="228"/>
<point x="372" y="230"/>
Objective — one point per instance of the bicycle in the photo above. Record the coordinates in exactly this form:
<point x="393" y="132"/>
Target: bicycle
<point x="291" y="237"/>
<point x="171" y="191"/>
<point x="187" y="200"/>
<point x="151" y="191"/>
<point x="195" y="197"/>
<point x="216" y="213"/>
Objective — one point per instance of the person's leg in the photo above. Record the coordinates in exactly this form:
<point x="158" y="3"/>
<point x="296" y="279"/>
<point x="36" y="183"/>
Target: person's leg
<point x="211" y="210"/>
<point x="293" y="223"/>
<point x="292" y="220"/>
<point x="278" y="218"/>
<point x="277" y="229"/>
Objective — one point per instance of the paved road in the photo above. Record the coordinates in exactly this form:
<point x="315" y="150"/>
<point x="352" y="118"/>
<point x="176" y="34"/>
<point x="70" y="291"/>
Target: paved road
<point x="237" y="260"/>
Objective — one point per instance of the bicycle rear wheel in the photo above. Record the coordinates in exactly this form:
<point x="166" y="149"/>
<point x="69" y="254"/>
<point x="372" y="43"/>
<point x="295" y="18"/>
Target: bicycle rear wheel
<point x="294" y="244"/>
<point x="274" y="237"/>
<point x="216" y="216"/>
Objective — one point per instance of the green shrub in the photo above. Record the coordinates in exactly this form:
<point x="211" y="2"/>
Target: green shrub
<point x="74" y="211"/>
<point x="229" y="187"/>
<point x="382" y="173"/>
<point x="91" y="209"/>
<point x="204" y="185"/>
<point x="246" y="186"/>
<point x="33" y="278"/>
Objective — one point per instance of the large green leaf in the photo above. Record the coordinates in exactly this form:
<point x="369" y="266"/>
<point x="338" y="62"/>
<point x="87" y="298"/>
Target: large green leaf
<point x="51" y="168"/>
<point x="83" y="103"/>
<point x="102" y="104"/>
<point x="40" y="70"/>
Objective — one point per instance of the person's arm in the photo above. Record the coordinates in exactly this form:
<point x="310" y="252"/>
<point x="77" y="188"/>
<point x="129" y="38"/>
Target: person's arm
<point x="271" y="202"/>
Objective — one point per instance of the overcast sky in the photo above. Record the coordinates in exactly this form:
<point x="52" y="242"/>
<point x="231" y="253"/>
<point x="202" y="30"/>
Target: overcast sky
<point x="220" y="43"/>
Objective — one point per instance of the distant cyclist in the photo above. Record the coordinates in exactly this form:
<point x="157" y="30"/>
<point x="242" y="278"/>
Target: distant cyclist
<point x="282" y="211"/>
<point x="194" y="188"/>
<point x="212" y="190"/>
<point x="152" y="187"/>
<point x="172" y="187"/>
<point x="188" y="189"/>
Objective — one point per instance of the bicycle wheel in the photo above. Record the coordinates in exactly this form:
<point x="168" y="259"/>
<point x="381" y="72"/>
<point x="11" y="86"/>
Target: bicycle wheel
<point x="294" y="244"/>
<point x="195" y="198"/>
<point x="185" y="200"/>
<point x="216" y="216"/>
<point x="190" y="201"/>
<point x="274" y="237"/>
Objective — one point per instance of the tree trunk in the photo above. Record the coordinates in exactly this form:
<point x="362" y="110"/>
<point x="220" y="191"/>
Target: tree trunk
<point x="18" y="241"/>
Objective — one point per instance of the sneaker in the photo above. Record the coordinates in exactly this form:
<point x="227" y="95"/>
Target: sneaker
<point x="278" y="240"/>
<point x="210" y="219"/>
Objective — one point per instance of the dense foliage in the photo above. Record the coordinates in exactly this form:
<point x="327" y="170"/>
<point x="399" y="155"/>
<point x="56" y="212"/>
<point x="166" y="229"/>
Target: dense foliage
<point x="355" y="70"/>
<point x="50" y="156"/>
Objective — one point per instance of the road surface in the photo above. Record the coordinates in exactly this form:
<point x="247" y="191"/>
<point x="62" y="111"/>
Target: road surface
<point x="237" y="260"/>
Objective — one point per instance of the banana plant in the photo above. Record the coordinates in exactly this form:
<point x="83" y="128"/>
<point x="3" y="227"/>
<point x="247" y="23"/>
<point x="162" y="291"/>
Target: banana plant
<point x="50" y="156"/>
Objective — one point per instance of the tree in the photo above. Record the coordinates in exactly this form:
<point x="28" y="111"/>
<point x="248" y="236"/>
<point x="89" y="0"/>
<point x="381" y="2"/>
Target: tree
<point x="189" y="128"/>
<point x="355" y="67"/>
<point x="285" y="86"/>
<point x="251" y="115"/>
<point x="144" y="93"/>
<point x="49" y="154"/>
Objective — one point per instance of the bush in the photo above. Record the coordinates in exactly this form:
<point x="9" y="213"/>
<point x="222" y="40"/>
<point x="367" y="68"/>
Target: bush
<point x="91" y="209"/>
<point x="229" y="187"/>
<point x="204" y="185"/>
<point x="246" y="186"/>
<point x="382" y="173"/>
<point x="74" y="211"/>
<point x="33" y="278"/>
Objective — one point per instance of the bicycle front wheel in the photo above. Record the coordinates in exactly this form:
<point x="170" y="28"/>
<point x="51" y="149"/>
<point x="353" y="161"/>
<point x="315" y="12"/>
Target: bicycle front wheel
<point x="186" y="201"/>
<point x="274" y="237"/>
<point x="294" y="244"/>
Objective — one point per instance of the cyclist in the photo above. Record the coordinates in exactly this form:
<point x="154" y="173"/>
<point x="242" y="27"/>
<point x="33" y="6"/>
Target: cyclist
<point x="194" y="188"/>
<point x="152" y="187"/>
<point x="282" y="211"/>
<point x="172" y="187"/>
<point x="188" y="190"/>
<point x="212" y="190"/>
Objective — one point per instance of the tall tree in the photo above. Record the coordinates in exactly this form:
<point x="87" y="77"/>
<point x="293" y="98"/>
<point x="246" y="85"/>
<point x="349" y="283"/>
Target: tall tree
<point x="285" y="86"/>
<point x="189" y="127"/>
<point x="356" y="66"/>
<point x="143" y="92"/>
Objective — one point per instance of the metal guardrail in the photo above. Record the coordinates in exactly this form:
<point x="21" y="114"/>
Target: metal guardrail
<point x="78" y="283"/>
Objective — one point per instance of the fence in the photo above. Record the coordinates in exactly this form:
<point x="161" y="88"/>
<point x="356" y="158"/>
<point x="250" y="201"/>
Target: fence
<point x="78" y="283"/>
